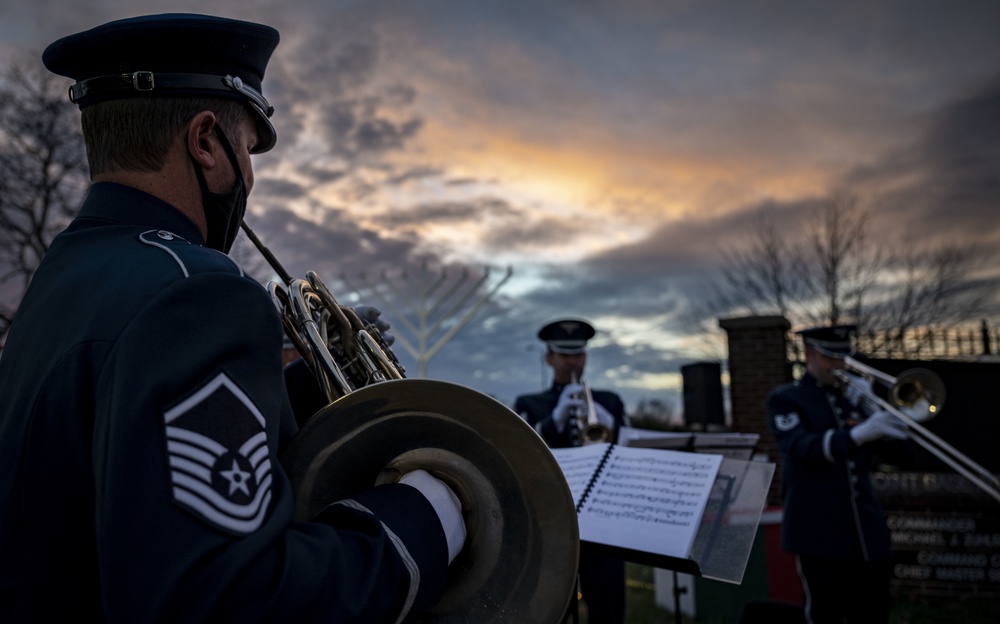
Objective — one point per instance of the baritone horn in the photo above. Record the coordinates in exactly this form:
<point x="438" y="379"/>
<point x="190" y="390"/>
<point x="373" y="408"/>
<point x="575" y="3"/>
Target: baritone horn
<point x="521" y="553"/>
<point x="916" y="396"/>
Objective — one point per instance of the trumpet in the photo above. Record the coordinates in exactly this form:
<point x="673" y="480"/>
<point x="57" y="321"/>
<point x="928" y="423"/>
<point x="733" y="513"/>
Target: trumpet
<point x="379" y="425"/>
<point x="916" y="396"/>
<point x="588" y="427"/>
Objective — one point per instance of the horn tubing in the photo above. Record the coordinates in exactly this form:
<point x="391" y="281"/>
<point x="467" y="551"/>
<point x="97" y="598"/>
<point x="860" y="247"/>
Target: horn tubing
<point x="306" y="324"/>
<point x="373" y="351"/>
<point x="264" y="251"/>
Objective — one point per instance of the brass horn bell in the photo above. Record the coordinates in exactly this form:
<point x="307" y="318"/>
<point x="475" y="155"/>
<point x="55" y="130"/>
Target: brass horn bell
<point x="919" y="387"/>
<point x="520" y="557"/>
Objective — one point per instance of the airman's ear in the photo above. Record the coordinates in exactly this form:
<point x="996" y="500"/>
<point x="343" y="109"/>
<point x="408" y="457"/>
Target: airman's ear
<point x="202" y="142"/>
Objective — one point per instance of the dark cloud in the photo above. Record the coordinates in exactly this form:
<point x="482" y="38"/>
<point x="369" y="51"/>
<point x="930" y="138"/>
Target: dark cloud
<point x="320" y="175"/>
<point x="517" y="230"/>
<point x="950" y="191"/>
<point x="414" y="174"/>
<point x="358" y="118"/>
<point x="695" y="247"/>
<point x="788" y="91"/>
<point x="788" y="80"/>
<point x="333" y="67"/>
<point x="323" y="61"/>
<point x="335" y="246"/>
<point x="526" y="233"/>
<point x="627" y="295"/>
<point x="950" y="175"/>
<point x="455" y="212"/>
<point x="361" y="127"/>
<point x="350" y="65"/>
<point x="278" y="188"/>
<point x="509" y="226"/>
<point x="462" y="181"/>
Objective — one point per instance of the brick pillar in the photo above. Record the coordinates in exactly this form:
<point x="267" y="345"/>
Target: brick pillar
<point x="758" y="362"/>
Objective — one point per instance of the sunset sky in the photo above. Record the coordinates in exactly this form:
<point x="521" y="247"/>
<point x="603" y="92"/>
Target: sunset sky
<point x="605" y="151"/>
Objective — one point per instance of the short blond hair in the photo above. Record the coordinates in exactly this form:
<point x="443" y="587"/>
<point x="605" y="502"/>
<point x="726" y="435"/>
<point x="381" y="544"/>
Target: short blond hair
<point x="135" y="134"/>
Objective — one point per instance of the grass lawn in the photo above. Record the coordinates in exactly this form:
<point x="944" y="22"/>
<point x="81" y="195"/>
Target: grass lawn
<point x="640" y="599"/>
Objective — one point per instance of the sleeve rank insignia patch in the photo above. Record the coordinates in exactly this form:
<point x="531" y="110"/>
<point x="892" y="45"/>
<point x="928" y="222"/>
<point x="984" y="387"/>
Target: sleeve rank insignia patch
<point x="220" y="467"/>
<point x="786" y="422"/>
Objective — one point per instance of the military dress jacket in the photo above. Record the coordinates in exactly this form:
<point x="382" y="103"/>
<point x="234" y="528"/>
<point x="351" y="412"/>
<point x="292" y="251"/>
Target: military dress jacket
<point x="142" y="409"/>
<point x="830" y="508"/>
<point x="536" y="410"/>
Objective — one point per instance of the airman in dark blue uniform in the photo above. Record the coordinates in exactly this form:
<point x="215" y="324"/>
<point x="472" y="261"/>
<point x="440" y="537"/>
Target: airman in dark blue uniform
<point x="554" y="414"/>
<point x="143" y="405"/>
<point x="832" y="520"/>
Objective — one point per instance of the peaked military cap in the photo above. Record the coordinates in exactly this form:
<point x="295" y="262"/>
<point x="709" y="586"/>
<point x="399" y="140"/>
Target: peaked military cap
<point x="567" y="336"/>
<point x="833" y="341"/>
<point x="170" y="55"/>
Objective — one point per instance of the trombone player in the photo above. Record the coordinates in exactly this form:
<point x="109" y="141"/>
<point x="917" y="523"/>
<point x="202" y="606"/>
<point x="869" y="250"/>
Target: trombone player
<point x="833" y="523"/>
<point x="568" y="414"/>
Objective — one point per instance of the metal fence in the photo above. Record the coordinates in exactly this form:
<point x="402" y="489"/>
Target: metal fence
<point x="929" y="343"/>
<point x="974" y="340"/>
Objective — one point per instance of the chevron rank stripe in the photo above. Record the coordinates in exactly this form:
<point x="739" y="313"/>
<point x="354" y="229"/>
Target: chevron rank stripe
<point x="219" y="460"/>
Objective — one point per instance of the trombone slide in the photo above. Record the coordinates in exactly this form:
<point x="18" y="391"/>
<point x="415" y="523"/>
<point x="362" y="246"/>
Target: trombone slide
<point x="948" y="454"/>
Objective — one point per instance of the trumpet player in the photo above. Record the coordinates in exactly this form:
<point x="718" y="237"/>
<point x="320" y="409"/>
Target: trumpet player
<point x="142" y="399"/>
<point x="563" y="415"/>
<point x="832" y="521"/>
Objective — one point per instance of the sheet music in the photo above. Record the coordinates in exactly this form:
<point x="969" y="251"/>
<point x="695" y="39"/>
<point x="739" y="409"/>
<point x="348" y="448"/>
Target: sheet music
<point x="579" y="465"/>
<point x="649" y="500"/>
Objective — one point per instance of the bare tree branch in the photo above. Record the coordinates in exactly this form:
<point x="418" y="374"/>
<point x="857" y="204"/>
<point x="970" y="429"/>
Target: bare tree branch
<point x="43" y="175"/>
<point x="761" y="276"/>
<point x="839" y="270"/>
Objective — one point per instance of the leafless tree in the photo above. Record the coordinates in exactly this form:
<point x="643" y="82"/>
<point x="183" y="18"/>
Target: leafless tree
<point x="842" y="260"/>
<point x="762" y="276"/>
<point x="940" y="285"/>
<point x="835" y="270"/>
<point x="43" y="175"/>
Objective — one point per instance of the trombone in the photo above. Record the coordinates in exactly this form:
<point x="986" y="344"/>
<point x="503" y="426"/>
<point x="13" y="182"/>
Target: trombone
<point x="917" y="395"/>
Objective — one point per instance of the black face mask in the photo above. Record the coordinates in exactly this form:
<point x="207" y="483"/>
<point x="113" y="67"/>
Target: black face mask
<point x="223" y="211"/>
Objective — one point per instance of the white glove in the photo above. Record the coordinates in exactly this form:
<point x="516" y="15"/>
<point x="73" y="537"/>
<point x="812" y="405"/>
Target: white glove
<point x="853" y="390"/>
<point x="371" y="314"/>
<point x="569" y="401"/>
<point x="604" y="416"/>
<point x="881" y="424"/>
<point x="446" y="505"/>
<point x="919" y="411"/>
